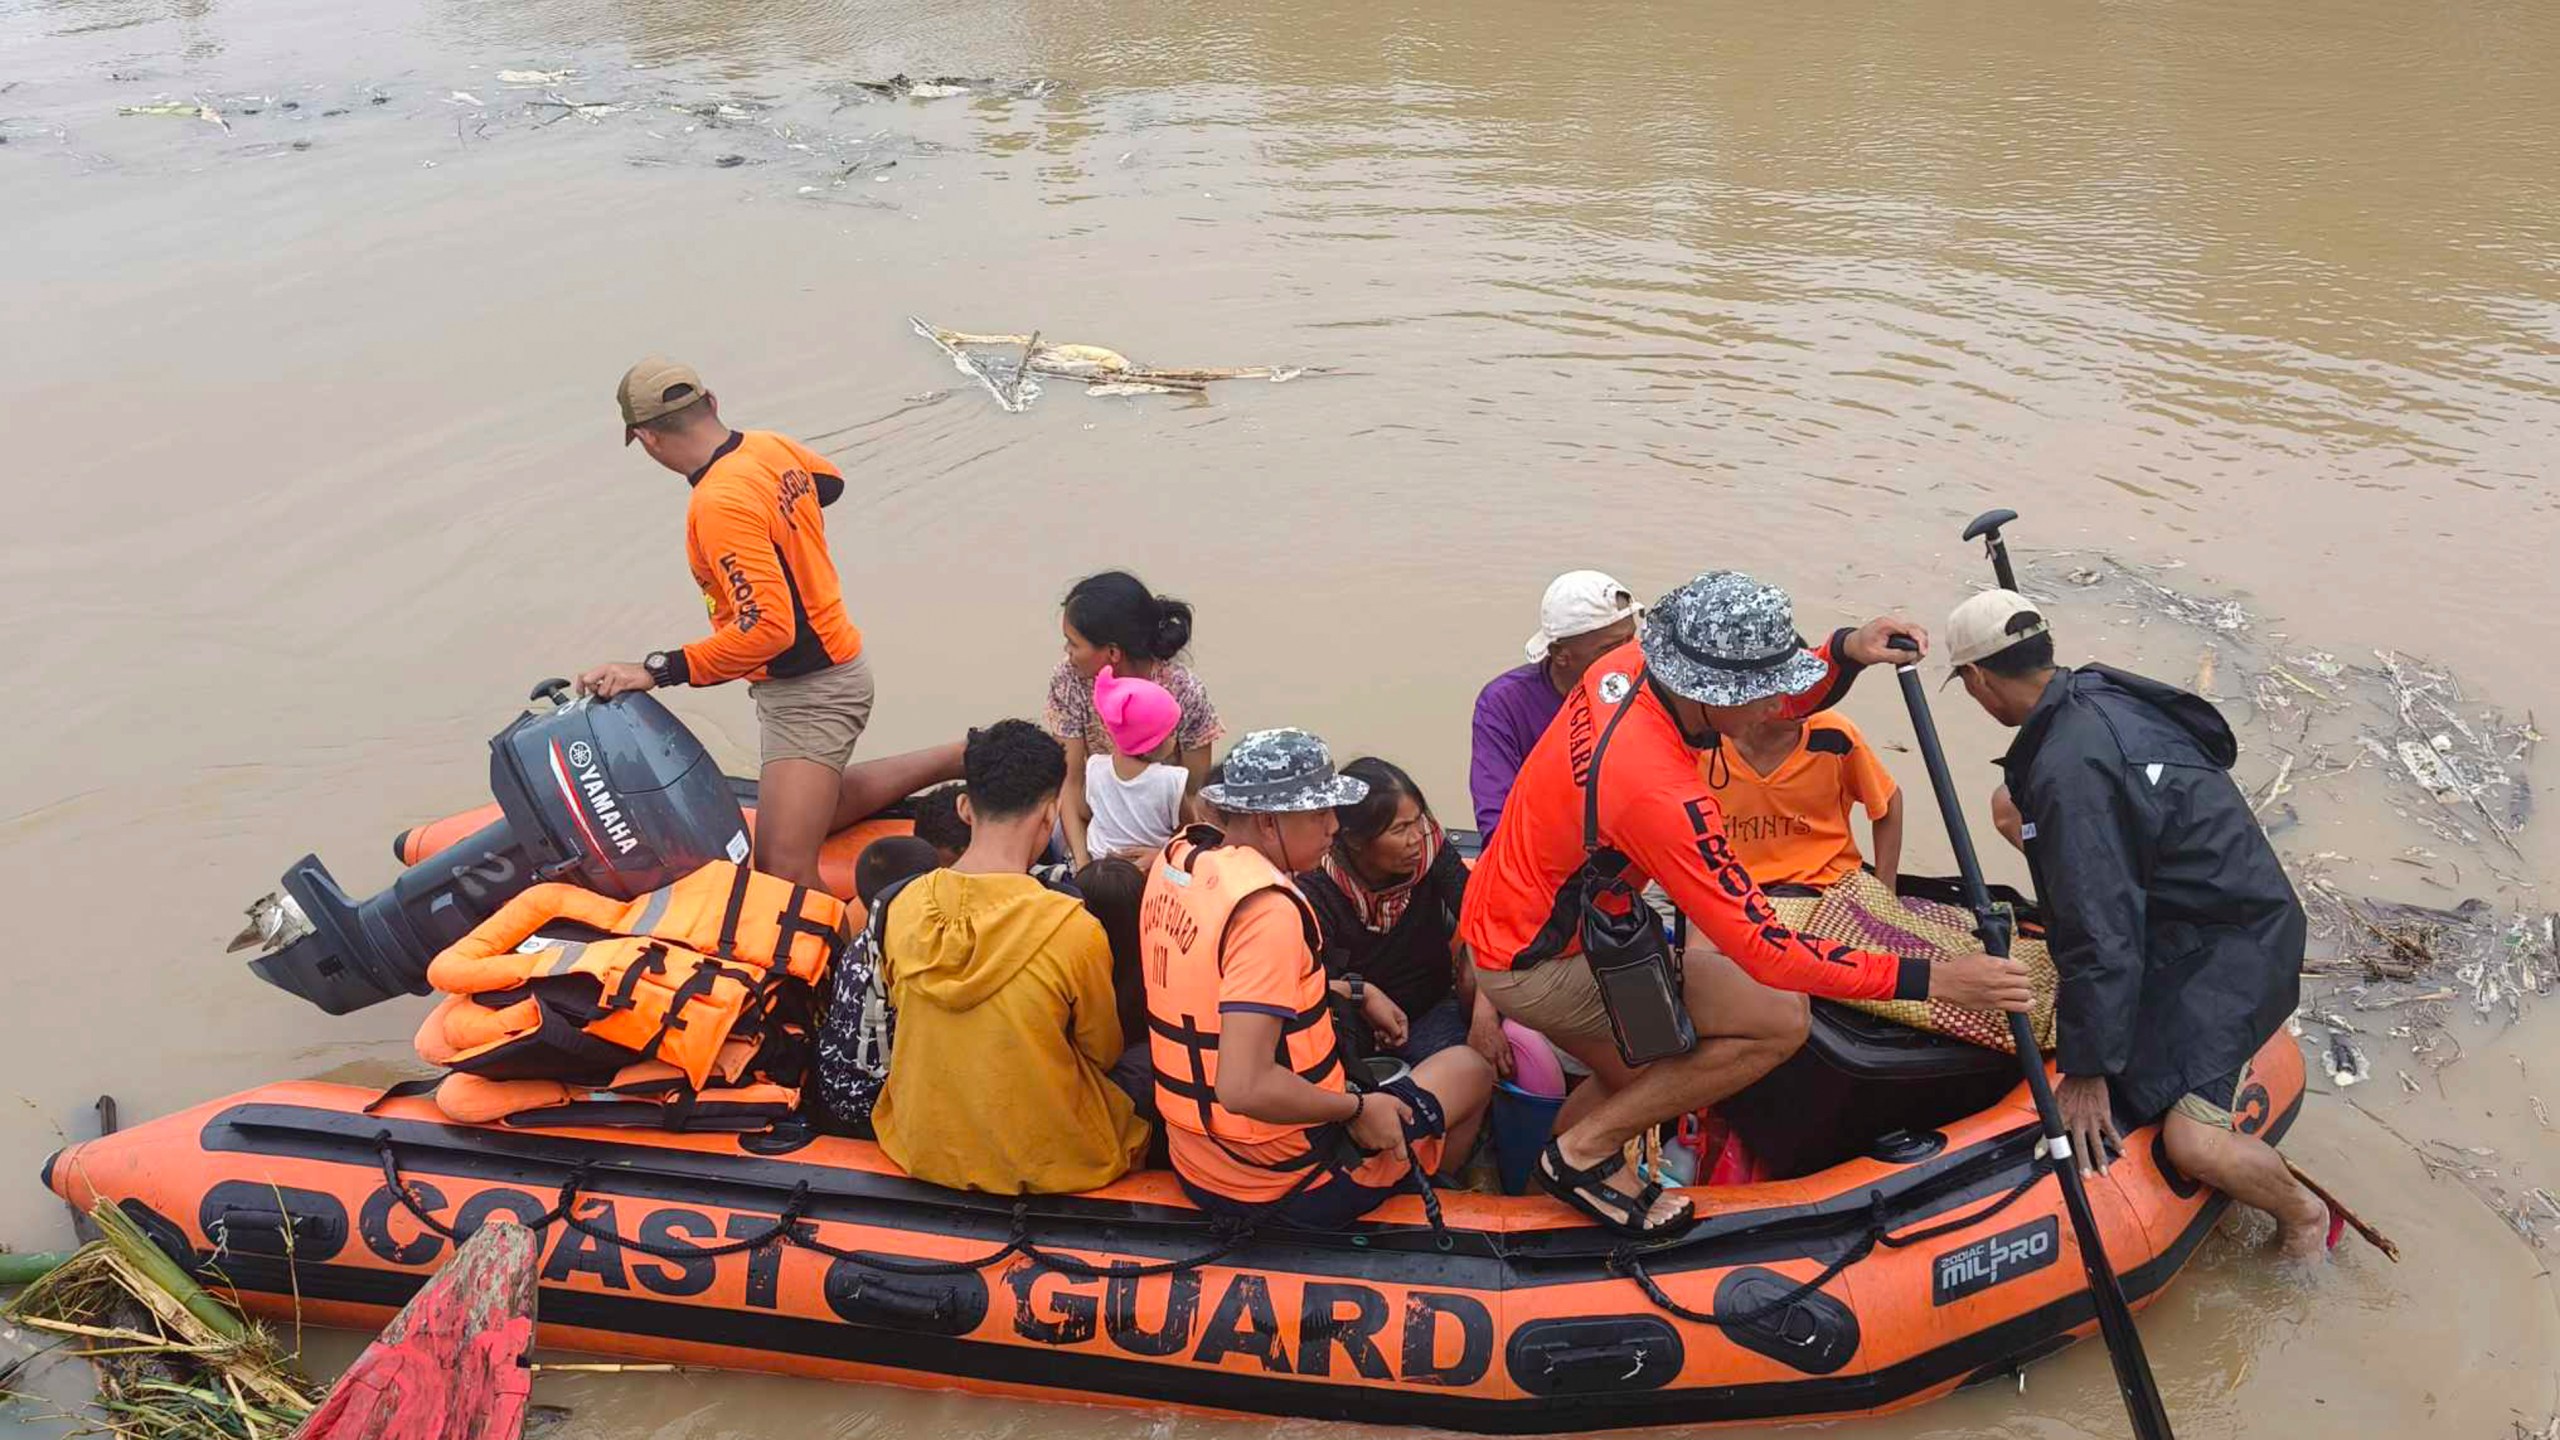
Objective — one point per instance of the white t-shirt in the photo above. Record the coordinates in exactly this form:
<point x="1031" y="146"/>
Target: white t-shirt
<point x="1140" y="814"/>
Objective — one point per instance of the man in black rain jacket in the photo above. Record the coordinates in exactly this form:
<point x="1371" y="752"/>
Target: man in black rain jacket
<point x="2177" y="937"/>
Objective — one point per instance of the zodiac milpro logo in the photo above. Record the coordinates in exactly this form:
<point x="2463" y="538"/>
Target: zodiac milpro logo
<point x="1996" y="1261"/>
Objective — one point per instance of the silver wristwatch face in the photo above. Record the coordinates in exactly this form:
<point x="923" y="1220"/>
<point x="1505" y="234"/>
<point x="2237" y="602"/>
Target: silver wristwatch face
<point x="655" y="662"/>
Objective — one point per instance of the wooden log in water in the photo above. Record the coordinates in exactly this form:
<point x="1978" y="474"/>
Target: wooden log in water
<point x="452" y="1364"/>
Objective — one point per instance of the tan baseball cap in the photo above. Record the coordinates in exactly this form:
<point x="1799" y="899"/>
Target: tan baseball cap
<point x="1990" y="623"/>
<point x="655" y="387"/>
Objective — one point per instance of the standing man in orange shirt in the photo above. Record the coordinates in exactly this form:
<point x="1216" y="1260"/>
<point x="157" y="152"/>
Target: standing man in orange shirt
<point x="758" y="548"/>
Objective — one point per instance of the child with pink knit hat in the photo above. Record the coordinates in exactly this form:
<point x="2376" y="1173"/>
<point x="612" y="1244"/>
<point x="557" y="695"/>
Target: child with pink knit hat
<point x="1135" y="795"/>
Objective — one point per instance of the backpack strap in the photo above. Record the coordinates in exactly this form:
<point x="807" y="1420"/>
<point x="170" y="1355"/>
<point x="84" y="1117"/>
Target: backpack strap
<point x="875" y="926"/>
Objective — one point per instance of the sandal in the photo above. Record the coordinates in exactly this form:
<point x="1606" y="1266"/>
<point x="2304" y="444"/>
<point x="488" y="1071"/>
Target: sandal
<point x="1589" y="1192"/>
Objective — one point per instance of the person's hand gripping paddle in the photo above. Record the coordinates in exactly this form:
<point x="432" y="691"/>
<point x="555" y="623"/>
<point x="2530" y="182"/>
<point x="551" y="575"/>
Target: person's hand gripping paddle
<point x="2115" y="1317"/>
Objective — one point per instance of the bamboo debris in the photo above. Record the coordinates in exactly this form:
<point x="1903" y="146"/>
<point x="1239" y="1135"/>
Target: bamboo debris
<point x="615" y="1369"/>
<point x="1102" y="371"/>
<point x="25" y="1268"/>
<point x="1008" y="398"/>
<point x="173" y="1362"/>
<point x="1022" y="370"/>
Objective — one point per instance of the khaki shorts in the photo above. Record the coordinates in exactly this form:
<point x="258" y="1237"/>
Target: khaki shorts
<point x="2216" y="1102"/>
<point x="814" y="717"/>
<point x="1559" y="999"/>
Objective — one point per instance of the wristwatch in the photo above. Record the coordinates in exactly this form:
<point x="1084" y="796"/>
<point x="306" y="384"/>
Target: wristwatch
<point x="1359" y="988"/>
<point x="664" y="668"/>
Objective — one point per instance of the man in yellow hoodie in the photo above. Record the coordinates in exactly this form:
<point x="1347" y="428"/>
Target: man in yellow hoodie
<point x="1007" y="1024"/>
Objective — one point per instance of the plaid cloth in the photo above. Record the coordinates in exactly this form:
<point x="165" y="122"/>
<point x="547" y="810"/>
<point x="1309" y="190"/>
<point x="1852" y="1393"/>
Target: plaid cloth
<point x="1860" y="911"/>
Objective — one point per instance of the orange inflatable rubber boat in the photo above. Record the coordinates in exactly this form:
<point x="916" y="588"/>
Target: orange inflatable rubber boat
<point x="1919" y="1244"/>
<point x="1935" y="1256"/>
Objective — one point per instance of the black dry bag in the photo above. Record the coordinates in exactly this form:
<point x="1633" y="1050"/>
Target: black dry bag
<point x="1639" y="975"/>
<point x="1638" y="971"/>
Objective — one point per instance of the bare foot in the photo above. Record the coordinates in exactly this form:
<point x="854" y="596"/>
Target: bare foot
<point x="2303" y="1239"/>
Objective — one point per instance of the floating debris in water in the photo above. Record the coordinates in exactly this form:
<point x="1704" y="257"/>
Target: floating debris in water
<point x="2457" y="774"/>
<point x="184" y="109"/>
<point x="534" y="78"/>
<point x="944" y="87"/>
<point x="173" y="1362"/>
<point x="588" y="110"/>
<point x="1008" y="377"/>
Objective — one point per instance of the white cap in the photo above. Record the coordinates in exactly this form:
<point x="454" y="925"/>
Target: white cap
<point x="1989" y="623"/>
<point x="1577" y="603"/>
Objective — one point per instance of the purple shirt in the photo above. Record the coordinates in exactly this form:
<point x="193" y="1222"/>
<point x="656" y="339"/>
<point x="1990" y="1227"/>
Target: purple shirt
<point x="1512" y="711"/>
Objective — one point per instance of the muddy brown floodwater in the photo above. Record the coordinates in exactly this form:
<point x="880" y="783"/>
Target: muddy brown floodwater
<point x="311" y="467"/>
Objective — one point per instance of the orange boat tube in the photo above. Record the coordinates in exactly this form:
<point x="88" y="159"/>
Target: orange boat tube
<point x="1939" y="1258"/>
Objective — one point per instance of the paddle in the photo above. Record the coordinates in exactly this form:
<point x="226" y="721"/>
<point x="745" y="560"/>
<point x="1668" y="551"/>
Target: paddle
<point x="1986" y="528"/>
<point x="2115" y="1317"/>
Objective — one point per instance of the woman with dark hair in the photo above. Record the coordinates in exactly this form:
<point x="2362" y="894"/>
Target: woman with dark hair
<point x="1387" y="894"/>
<point x="1113" y="622"/>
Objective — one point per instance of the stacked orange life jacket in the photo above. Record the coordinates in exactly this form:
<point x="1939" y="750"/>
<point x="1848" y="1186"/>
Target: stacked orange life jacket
<point x="686" y="1007"/>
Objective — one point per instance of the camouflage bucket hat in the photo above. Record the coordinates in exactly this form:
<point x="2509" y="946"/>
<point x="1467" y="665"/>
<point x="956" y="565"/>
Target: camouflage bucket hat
<point x="1280" y="772"/>
<point x="1726" y="639"/>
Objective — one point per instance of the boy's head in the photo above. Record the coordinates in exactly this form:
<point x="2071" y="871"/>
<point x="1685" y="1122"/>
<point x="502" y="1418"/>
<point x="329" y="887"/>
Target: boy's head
<point x="938" y="821"/>
<point x="1013" y="770"/>
<point x="2003" y="648"/>
<point x="886" y="861"/>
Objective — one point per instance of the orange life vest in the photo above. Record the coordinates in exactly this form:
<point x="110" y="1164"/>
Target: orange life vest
<point x="1194" y="889"/>
<point x="742" y="1096"/>
<point x="566" y="985"/>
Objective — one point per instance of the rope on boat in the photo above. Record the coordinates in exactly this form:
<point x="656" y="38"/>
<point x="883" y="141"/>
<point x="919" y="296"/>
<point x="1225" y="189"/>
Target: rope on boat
<point x="789" y="1228"/>
<point x="1628" y="1260"/>
<point x="408" y="1199"/>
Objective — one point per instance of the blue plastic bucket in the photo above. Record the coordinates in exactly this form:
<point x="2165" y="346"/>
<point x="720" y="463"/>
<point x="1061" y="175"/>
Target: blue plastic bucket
<point x="1521" y="1124"/>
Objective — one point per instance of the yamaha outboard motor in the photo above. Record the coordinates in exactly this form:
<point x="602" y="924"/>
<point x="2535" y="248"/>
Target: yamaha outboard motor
<point x="615" y="795"/>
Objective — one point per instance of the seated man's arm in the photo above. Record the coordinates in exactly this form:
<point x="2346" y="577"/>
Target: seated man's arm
<point x="1493" y="763"/>
<point x="1888" y="830"/>
<point x="1873" y="787"/>
<point x="2006" y="819"/>
<point x="1267" y="961"/>
<point x="2089" y="845"/>
<point x="1254" y="1085"/>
